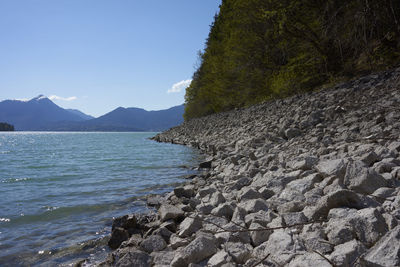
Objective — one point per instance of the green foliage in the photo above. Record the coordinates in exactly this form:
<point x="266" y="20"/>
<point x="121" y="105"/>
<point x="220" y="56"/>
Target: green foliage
<point x="258" y="49"/>
<point x="6" y="127"/>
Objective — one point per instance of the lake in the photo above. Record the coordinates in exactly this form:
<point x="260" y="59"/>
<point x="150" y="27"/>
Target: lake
<point x="59" y="191"/>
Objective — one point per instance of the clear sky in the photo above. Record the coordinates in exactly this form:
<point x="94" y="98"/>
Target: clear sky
<point x="97" y="55"/>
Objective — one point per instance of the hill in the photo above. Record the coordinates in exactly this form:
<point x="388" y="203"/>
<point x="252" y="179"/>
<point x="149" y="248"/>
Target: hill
<point x="259" y="50"/>
<point x="35" y="114"/>
<point x="127" y="119"/>
<point x="41" y="114"/>
<point x="5" y="127"/>
<point x="80" y="114"/>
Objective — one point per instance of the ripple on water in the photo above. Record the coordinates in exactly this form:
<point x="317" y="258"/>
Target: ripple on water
<point x="16" y="180"/>
<point x="71" y="185"/>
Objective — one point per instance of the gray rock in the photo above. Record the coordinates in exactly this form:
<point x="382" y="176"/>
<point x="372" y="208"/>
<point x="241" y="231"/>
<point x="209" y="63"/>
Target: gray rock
<point x="213" y="223"/>
<point x="133" y="241"/>
<point x="236" y="235"/>
<point x="219" y="259"/>
<point x="153" y="243"/>
<point x="363" y="180"/>
<point x="168" y="211"/>
<point x="176" y="242"/>
<point x="162" y="258"/>
<point x="369" y="225"/>
<point x="254" y="205"/>
<point x="224" y="210"/>
<point x="292" y="133"/>
<point x="205" y="164"/>
<point x="170" y="225"/>
<point x="238" y="251"/>
<point x="118" y="236"/>
<point x="199" y="249"/>
<point x="309" y="259"/>
<point x="294" y="218"/>
<point x="126" y="222"/>
<point x="163" y="232"/>
<point x="291" y="206"/>
<point x="304" y="164"/>
<point x="259" y="237"/>
<point x="305" y="184"/>
<point x="205" y="208"/>
<point x="189" y="226"/>
<point x="370" y="158"/>
<point x="134" y="258"/>
<point x="340" y="198"/>
<point x="261" y="217"/>
<point x="394" y="146"/>
<point x="386" y="252"/>
<point x="238" y="216"/>
<point x="318" y="244"/>
<point x="346" y="254"/>
<point x="206" y="191"/>
<point x="336" y="167"/>
<point x="249" y="193"/>
<point x="154" y="201"/>
<point x="266" y="193"/>
<point x="339" y="232"/>
<point x="280" y="246"/>
<point x="186" y="191"/>
<point x="240" y="183"/>
<point x="216" y="199"/>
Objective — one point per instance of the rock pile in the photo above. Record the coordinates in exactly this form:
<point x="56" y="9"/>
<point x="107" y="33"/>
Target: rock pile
<point x="311" y="180"/>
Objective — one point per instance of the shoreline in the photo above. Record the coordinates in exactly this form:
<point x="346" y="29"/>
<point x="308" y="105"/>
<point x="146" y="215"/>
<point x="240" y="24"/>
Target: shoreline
<point x="310" y="180"/>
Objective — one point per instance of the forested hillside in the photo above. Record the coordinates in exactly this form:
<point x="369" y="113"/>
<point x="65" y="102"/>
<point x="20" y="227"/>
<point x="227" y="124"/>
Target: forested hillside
<point x="5" y="127"/>
<point x="262" y="49"/>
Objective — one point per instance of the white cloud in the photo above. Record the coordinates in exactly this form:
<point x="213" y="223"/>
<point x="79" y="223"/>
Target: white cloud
<point x="56" y="97"/>
<point x="179" y="86"/>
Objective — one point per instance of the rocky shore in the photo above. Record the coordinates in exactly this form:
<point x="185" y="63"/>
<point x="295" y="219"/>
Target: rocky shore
<point x="310" y="180"/>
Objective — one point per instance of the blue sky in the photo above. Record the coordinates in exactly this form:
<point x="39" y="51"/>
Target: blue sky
<point x="97" y="55"/>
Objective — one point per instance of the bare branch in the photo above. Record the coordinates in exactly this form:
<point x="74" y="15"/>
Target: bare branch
<point x="323" y="256"/>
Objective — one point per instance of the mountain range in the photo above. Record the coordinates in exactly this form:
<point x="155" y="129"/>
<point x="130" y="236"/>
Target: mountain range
<point x="41" y="114"/>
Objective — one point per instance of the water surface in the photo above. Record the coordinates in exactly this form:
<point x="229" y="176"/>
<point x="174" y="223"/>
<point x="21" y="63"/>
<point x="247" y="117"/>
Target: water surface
<point x="59" y="191"/>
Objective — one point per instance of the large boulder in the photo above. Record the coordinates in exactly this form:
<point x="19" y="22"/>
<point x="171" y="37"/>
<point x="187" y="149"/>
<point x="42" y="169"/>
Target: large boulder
<point x="334" y="167"/>
<point x="153" y="243"/>
<point x="340" y="198"/>
<point x="280" y="247"/>
<point x="238" y="251"/>
<point x="168" y="211"/>
<point x="309" y="259"/>
<point x="134" y="258"/>
<point x="219" y="259"/>
<point x="254" y="205"/>
<point x="362" y="179"/>
<point x="386" y="252"/>
<point x="199" y="249"/>
<point x="189" y="226"/>
<point x="118" y="235"/>
<point x="346" y="254"/>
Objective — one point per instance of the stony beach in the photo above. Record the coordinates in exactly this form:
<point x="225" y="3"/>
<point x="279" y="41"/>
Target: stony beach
<point x="310" y="180"/>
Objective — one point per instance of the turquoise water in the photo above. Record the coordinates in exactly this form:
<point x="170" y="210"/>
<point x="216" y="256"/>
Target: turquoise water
<point x="59" y="191"/>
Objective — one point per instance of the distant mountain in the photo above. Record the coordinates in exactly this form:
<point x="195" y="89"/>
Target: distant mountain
<point x="128" y="119"/>
<point x="41" y="114"/>
<point x="36" y="114"/>
<point x="80" y="114"/>
<point x="142" y="119"/>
